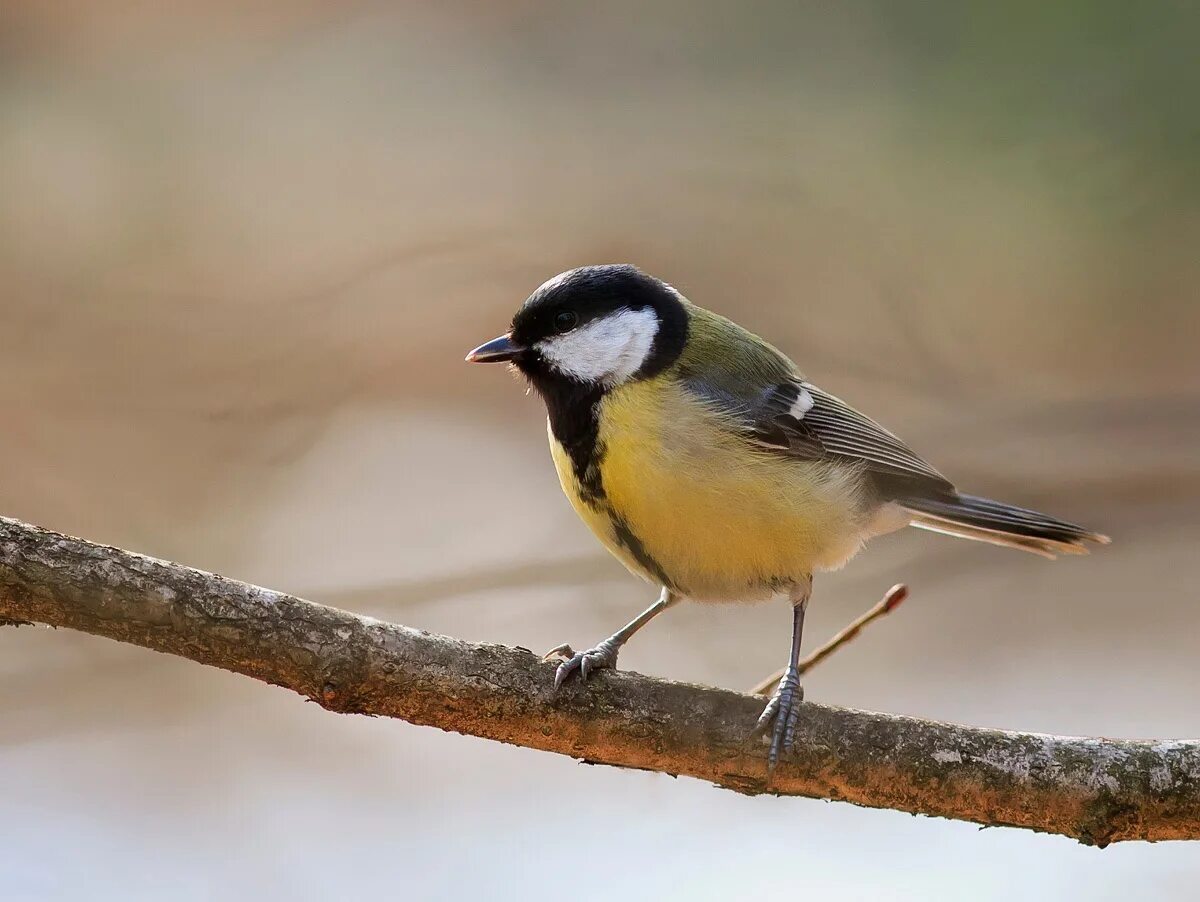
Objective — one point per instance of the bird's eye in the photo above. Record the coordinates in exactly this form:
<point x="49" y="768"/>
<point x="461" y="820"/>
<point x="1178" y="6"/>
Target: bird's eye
<point x="565" y="321"/>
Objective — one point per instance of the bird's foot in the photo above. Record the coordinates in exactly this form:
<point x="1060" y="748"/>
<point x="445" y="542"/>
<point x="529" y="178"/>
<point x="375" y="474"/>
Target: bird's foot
<point x="781" y="716"/>
<point x="585" y="663"/>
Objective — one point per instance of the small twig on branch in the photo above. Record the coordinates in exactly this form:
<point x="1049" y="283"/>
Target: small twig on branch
<point x="892" y="600"/>
<point x="1095" y="790"/>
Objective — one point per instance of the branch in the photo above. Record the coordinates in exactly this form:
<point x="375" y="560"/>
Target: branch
<point x="1096" y="790"/>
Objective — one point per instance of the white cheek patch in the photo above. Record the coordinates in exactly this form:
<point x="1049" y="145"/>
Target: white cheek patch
<point x="609" y="350"/>
<point x="802" y="405"/>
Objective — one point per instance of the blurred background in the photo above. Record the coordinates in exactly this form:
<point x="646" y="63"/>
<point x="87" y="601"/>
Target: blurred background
<point x="244" y="247"/>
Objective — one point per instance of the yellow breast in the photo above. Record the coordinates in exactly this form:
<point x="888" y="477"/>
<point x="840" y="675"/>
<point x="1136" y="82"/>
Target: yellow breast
<point x="723" y="520"/>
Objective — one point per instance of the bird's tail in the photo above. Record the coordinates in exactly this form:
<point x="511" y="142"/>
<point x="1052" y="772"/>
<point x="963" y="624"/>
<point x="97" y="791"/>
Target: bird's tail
<point x="969" y="517"/>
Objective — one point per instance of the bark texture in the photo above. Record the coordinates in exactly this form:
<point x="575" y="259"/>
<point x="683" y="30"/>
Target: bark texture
<point x="1095" y="790"/>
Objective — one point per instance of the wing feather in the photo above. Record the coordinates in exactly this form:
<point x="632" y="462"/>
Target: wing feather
<point x="803" y="420"/>
<point x="758" y="390"/>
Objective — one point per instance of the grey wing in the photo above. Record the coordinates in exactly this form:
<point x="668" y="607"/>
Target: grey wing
<point x="799" y="419"/>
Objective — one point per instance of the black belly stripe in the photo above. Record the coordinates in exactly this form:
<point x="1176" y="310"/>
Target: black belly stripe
<point x="574" y="411"/>
<point x="633" y="544"/>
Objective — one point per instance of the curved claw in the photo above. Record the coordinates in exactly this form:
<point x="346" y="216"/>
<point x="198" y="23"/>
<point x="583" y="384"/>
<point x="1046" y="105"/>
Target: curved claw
<point x="559" y="652"/>
<point x="586" y="663"/>
<point x="566" y="668"/>
<point x="767" y="717"/>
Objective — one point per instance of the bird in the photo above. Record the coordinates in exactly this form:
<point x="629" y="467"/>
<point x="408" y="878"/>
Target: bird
<point x="706" y="462"/>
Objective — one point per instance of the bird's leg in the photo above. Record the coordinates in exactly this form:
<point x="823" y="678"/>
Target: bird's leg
<point x="605" y="654"/>
<point x="783" y="710"/>
<point x="895" y="596"/>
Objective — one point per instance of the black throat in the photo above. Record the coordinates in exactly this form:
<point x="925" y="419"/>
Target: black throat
<point x="574" y="412"/>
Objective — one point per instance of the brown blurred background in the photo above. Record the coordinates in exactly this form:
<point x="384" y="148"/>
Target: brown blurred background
<point x="244" y="247"/>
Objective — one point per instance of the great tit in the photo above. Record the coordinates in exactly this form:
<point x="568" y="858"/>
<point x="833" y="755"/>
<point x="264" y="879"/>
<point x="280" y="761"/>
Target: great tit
<point x="706" y="462"/>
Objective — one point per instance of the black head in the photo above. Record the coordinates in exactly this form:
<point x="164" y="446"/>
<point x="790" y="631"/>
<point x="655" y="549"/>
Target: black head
<point x="596" y="325"/>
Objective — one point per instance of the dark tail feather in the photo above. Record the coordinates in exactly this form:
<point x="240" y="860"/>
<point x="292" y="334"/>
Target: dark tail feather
<point x="970" y="517"/>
